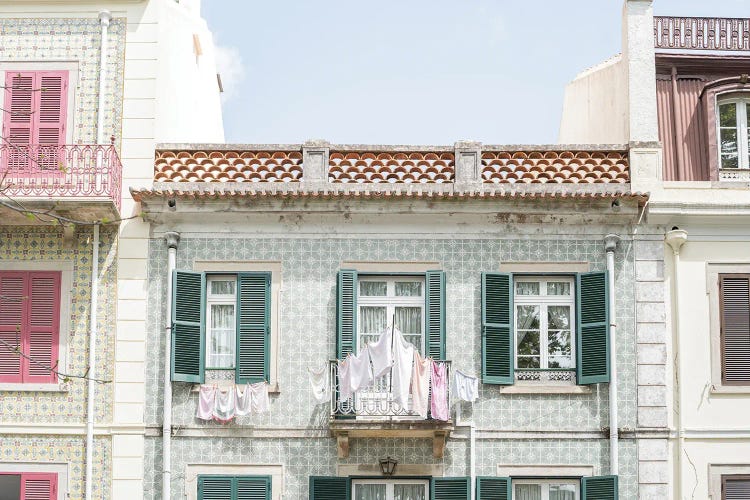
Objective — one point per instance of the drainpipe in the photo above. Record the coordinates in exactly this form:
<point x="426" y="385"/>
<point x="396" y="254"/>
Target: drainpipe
<point x="166" y="432"/>
<point x="610" y="244"/>
<point x="104" y="18"/>
<point x="675" y="239"/>
<point x="472" y="467"/>
<point x="93" y="331"/>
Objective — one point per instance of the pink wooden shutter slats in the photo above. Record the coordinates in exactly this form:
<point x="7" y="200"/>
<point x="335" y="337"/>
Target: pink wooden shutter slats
<point x="18" y="117"/>
<point x="12" y="304"/>
<point x="39" y="486"/>
<point x="50" y="120"/>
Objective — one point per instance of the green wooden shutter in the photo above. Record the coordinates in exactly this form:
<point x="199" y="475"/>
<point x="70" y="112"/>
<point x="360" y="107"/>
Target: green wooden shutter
<point x="253" y="488"/>
<point x="599" y="488"/>
<point x="497" y="328"/>
<point x="592" y="339"/>
<point x="215" y="488"/>
<point x="329" y="488"/>
<point x="450" y="488"/>
<point x="188" y="326"/>
<point x="493" y="488"/>
<point x="253" y="327"/>
<point x="346" y="313"/>
<point x="435" y="314"/>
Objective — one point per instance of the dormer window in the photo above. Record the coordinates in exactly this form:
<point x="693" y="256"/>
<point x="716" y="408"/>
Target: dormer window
<point x="734" y="142"/>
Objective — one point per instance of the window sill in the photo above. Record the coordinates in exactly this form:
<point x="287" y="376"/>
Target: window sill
<point x="521" y="388"/>
<point x="224" y="384"/>
<point x="730" y="389"/>
<point x="5" y="387"/>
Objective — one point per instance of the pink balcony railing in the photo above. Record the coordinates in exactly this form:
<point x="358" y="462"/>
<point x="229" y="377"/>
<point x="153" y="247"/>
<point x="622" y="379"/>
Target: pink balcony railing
<point x="701" y="33"/>
<point x="76" y="171"/>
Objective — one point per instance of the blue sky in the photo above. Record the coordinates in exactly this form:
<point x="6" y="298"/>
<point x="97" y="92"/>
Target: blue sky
<point x="416" y="71"/>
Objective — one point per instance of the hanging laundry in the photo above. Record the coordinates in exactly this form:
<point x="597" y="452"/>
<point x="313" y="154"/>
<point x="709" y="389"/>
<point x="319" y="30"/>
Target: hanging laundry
<point x="319" y="383"/>
<point x="345" y="379"/>
<point x="439" y="403"/>
<point x="381" y="354"/>
<point x="259" y="397"/>
<point x="206" y="402"/>
<point x="360" y="372"/>
<point x="466" y="386"/>
<point x="224" y="407"/>
<point x="403" y="358"/>
<point x="243" y="400"/>
<point x="420" y="384"/>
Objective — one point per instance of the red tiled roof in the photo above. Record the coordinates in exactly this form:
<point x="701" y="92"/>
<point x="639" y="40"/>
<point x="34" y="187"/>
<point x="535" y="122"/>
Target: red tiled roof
<point x="577" y="167"/>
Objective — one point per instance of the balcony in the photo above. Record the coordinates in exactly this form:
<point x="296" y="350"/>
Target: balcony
<point x="701" y="33"/>
<point x="81" y="182"/>
<point x="373" y="413"/>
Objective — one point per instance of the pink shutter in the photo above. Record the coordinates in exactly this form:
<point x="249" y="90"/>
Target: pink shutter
<point x="18" y="118"/>
<point x="12" y="327"/>
<point x="44" y="327"/>
<point x="52" y="99"/>
<point x="38" y="486"/>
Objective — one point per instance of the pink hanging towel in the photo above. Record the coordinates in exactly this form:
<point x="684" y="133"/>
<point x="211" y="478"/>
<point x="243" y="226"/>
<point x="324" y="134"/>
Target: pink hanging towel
<point x="420" y="384"/>
<point x="439" y="403"/>
<point x="206" y="401"/>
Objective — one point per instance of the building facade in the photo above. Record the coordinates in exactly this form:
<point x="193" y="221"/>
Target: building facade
<point x="81" y="81"/>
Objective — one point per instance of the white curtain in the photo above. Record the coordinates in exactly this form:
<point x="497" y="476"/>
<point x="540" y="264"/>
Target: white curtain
<point x="408" y="492"/>
<point x="221" y="351"/>
<point x="562" y="492"/>
<point x="369" y="491"/>
<point x="528" y="492"/>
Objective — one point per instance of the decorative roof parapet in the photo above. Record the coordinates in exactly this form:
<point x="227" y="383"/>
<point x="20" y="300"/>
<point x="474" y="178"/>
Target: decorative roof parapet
<point x="701" y="33"/>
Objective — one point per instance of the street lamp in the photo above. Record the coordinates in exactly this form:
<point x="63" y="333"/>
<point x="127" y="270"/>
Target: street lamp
<point x="388" y="466"/>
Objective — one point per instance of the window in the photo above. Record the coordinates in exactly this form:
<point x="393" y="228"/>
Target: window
<point x="390" y="489"/>
<point x="385" y="301"/>
<point x="541" y="328"/>
<point x="34" y="119"/>
<point x="28" y="486"/>
<point x="234" y="312"/>
<point x="215" y="487"/>
<point x="734" y="140"/>
<point x="544" y="315"/>
<point x="537" y="489"/>
<point x="29" y="326"/>
<point x="735" y="487"/>
<point x="734" y="305"/>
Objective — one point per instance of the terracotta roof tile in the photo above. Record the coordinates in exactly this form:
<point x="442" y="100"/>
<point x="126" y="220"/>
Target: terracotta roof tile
<point x="228" y="166"/>
<point x="540" y="167"/>
<point x="392" y="167"/>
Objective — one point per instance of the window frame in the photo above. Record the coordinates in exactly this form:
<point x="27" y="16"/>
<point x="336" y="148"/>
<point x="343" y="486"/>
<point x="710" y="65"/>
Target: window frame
<point x="220" y="300"/>
<point x="543" y="300"/>
<point x="742" y="123"/>
<point x="731" y="477"/>
<point x="234" y="478"/>
<point x="722" y="339"/>
<point x="546" y="482"/>
<point x="390" y="483"/>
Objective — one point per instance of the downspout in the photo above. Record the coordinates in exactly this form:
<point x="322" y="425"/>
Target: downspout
<point x="104" y="18"/>
<point x="166" y="431"/>
<point x="610" y="244"/>
<point x="472" y="448"/>
<point x="675" y="239"/>
<point x="91" y="385"/>
<point x="676" y="126"/>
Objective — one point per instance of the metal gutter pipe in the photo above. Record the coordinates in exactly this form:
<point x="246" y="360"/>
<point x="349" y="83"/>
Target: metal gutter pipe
<point x="172" y="239"/>
<point x="91" y="385"/>
<point x="610" y="244"/>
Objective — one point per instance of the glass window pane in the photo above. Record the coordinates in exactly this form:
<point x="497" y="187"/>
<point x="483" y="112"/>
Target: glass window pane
<point x="528" y="317"/>
<point x="409" y="492"/>
<point x="372" y="320"/>
<point x="562" y="492"/>
<point x="528" y="343"/>
<point x="528" y="362"/>
<point x="558" y="288"/>
<point x="222" y="287"/>
<point x="408" y="289"/>
<point x="10" y="486"/>
<point x="728" y="141"/>
<point x="221" y="336"/>
<point x="558" y="317"/>
<point x="728" y="115"/>
<point x="528" y="492"/>
<point x="729" y="161"/>
<point x="369" y="491"/>
<point x="409" y="319"/>
<point x="558" y="343"/>
<point x="373" y="288"/>
<point x="527" y="288"/>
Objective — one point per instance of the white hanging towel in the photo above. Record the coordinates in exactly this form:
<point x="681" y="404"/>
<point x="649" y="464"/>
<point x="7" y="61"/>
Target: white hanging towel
<point x="224" y="407"/>
<point x="319" y="383"/>
<point x="466" y="386"/>
<point x="345" y="379"/>
<point x="206" y="402"/>
<point x="259" y="397"/>
<point x="381" y="354"/>
<point x="420" y="384"/>
<point x="243" y="400"/>
<point x="360" y="371"/>
<point x="403" y="358"/>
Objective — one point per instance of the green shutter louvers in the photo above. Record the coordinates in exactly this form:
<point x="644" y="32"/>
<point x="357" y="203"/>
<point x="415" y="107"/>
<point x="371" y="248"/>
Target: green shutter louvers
<point x="497" y="328"/>
<point x="215" y="488"/>
<point x="234" y="487"/>
<point x="346" y="313"/>
<point x="592" y="342"/>
<point x="253" y="488"/>
<point x="493" y="488"/>
<point x="188" y="319"/>
<point x="253" y="327"/>
<point x="450" y="488"/>
<point x="599" y="488"/>
<point x="329" y="488"/>
<point x="435" y="314"/>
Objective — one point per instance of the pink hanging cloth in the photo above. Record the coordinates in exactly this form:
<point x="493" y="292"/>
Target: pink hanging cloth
<point x="224" y="407"/>
<point x="439" y="403"/>
<point x="206" y="401"/>
<point x="420" y="384"/>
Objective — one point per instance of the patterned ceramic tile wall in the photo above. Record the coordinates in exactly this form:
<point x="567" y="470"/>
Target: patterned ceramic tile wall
<point x="43" y="243"/>
<point x="308" y="338"/>
<point x="68" y="450"/>
<point x="73" y="39"/>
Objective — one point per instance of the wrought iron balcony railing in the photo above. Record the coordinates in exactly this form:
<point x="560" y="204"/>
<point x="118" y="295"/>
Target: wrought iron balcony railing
<point x="702" y="33"/>
<point x="81" y="171"/>
<point x="375" y="403"/>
